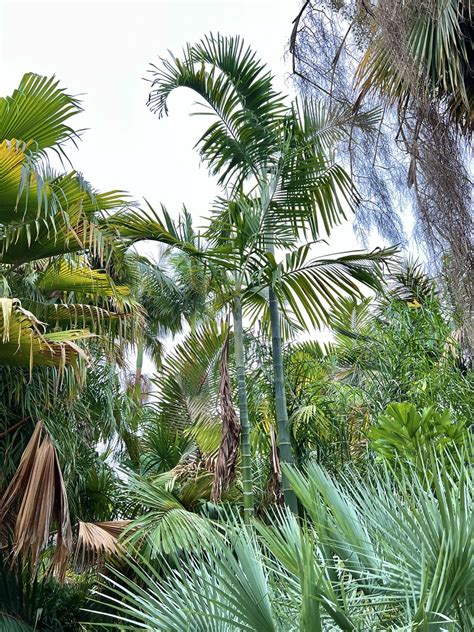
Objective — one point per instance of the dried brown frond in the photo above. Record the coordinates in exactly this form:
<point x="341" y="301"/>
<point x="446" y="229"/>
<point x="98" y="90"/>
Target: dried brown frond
<point x="226" y="459"/>
<point x="97" y="540"/>
<point x="38" y="495"/>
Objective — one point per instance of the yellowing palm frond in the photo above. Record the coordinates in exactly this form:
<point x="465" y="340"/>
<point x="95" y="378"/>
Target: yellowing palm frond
<point x="67" y="277"/>
<point x="23" y="342"/>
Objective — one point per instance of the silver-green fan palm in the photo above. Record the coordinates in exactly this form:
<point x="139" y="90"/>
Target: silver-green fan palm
<point x="384" y="552"/>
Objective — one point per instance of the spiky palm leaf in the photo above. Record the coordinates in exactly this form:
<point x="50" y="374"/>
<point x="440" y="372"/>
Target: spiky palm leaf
<point x="378" y="552"/>
<point x="309" y="289"/>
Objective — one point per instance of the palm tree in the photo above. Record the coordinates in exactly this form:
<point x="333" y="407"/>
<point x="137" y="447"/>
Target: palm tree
<point x="374" y="551"/>
<point x="52" y="250"/>
<point x="63" y="304"/>
<point x="280" y="154"/>
<point x="234" y="253"/>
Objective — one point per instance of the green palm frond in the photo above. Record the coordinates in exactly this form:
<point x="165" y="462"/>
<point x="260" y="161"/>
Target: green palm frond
<point x="72" y="315"/>
<point x="63" y="276"/>
<point x="165" y="525"/>
<point x="311" y="287"/>
<point x="237" y="92"/>
<point x="228" y="593"/>
<point x="38" y="111"/>
<point x="439" y="57"/>
<point x="164" y="447"/>
<point x="21" y="187"/>
<point x="189" y="389"/>
<point x="382" y="551"/>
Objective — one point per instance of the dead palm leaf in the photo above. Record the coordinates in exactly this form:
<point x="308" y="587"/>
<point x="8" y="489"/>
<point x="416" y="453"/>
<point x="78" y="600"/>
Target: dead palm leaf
<point x="97" y="540"/>
<point x="229" y="447"/>
<point x="38" y="488"/>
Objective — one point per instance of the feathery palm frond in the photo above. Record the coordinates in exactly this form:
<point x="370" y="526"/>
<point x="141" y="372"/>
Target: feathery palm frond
<point x="237" y="91"/>
<point x="310" y="288"/>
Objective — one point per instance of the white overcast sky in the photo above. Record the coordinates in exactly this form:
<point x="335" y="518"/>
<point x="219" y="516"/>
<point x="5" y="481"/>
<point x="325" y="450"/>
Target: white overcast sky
<point x="102" y="51"/>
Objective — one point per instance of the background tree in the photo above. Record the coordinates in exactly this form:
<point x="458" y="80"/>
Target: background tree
<point x="415" y="61"/>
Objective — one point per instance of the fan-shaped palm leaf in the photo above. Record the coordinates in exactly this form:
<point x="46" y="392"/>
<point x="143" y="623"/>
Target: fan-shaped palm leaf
<point x="38" y="111"/>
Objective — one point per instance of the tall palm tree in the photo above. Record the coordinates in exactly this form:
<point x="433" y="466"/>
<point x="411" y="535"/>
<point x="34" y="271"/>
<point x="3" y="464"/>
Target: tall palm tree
<point x="266" y="154"/>
<point x="240" y="269"/>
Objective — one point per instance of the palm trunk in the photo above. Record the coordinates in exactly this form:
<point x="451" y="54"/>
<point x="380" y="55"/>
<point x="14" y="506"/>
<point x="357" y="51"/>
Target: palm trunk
<point x="280" y="399"/>
<point x="281" y="412"/>
<point x="246" y="455"/>
<point x="138" y="371"/>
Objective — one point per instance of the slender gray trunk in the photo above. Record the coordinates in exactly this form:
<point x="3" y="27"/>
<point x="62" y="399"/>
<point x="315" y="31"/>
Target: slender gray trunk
<point x="281" y="411"/>
<point x="245" y="451"/>
<point x="138" y="371"/>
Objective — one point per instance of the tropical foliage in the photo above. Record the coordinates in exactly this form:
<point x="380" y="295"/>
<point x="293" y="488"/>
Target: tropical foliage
<point x="301" y="457"/>
<point x="374" y="550"/>
<point x="413" y="60"/>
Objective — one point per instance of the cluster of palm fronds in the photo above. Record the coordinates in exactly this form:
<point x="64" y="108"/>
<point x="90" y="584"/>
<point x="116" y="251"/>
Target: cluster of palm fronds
<point x="381" y="551"/>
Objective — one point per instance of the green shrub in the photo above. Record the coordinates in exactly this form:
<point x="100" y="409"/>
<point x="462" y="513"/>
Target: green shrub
<point x="403" y="432"/>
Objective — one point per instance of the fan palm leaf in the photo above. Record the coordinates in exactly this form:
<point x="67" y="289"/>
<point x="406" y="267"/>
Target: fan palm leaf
<point x="38" y="111"/>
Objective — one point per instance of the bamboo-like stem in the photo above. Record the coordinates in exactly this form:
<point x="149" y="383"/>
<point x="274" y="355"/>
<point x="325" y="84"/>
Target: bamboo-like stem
<point x="139" y="370"/>
<point x="281" y="412"/>
<point x="245" y="451"/>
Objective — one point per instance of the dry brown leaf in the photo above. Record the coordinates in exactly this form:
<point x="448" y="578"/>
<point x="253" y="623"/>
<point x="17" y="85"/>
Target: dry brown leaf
<point x="98" y="539"/>
<point x="229" y="447"/>
<point x="37" y="489"/>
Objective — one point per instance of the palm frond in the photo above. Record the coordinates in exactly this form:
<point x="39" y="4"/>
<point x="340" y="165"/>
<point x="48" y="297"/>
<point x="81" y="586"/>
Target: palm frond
<point x="237" y="91"/>
<point x="39" y="488"/>
<point x="165" y="526"/>
<point x="96" y="540"/>
<point x="25" y="344"/>
<point x="38" y="111"/>
<point x="309" y="288"/>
